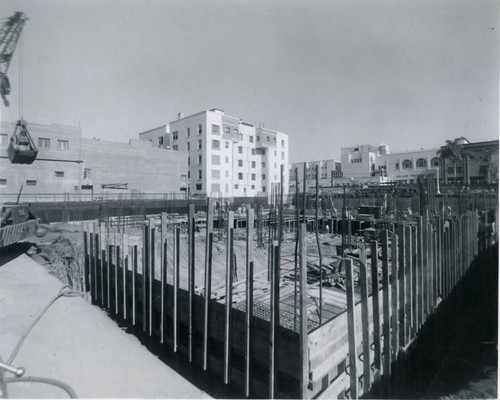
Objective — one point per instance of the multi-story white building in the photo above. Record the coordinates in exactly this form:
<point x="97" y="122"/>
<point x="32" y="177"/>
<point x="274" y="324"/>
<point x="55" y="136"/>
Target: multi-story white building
<point x="329" y="172"/>
<point x="226" y="156"/>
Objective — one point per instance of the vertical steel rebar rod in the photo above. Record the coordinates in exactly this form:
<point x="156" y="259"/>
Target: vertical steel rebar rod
<point x="304" y="364"/>
<point x="304" y="194"/>
<point x="319" y="248"/>
<point x="208" y="279"/>
<point x="249" y="300"/>
<point x="229" y="293"/>
<point x="191" y="279"/>
<point x="296" y="249"/>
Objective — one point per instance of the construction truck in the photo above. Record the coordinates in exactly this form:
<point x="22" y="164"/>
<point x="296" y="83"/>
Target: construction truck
<point x="17" y="223"/>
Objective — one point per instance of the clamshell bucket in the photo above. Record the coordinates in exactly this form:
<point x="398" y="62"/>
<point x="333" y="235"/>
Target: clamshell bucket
<point x="22" y="149"/>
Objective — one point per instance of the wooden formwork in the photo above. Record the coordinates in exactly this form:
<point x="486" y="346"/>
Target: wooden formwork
<point x="420" y="264"/>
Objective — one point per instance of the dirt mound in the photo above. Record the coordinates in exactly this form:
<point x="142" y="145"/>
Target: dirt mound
<point x="60" y="251"/>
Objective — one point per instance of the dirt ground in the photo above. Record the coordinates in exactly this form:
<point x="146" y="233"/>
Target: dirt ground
<point x="59" y="248"/>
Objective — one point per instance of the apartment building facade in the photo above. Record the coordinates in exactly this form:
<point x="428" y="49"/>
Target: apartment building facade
<point x="226" y="156"/>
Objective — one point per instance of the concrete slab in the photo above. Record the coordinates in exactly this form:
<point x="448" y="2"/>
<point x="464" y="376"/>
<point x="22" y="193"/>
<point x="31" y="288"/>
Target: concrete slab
<point x="76" y="343"/>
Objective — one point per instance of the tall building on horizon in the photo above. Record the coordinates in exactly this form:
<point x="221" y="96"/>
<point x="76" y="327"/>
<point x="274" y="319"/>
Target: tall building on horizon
<point x="226" y="156"/>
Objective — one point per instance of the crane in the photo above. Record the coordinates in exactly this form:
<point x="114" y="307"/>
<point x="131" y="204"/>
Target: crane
<point x="9" y="36"/>
<point x="22" y="149"/>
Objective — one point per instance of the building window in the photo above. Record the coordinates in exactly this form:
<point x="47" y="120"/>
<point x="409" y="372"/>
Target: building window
<point x="250" y="138"/>
<point x="43" y="143"/>
<point x="240" y="149"/>
<point x="216" y="144"/>
<point x="236" y="132"/>
<point x="253" y="177"/>
<point x="356" y="149"/>
<point x="189" y="160"/>
<point x="253" y="152"/>
<point x="241" y="135"/>
<point x="4" y="138"/>
<point x="253" y="164"/>
<point x="215" y="174"/>
<point x="32" y="182"/>
<point x="356" y="160"/>
<point x="160" y="141"/>
<point x="263" y="164"/>
<point x="253" y="187"/>
<point x="175" y="147"/>
<point x="215" y="159"/>
<point x="282" y="155"/>
<point x="175" y="135"/>
<point x="200" y="144"/>
<point x="282" y="144"/>
<point x="215" y="187"/>
<point x="198" y="186"/>
<point x="421" y="163"/>
<point x="3" y="182"/>
<point x="188" y="146"/>
<point x="200" y="159"/>
<point x="227" y="188"/>
<point x="226" y="159"/>
<point x="216" y="129"/>
<point x="86" y="173"/>
<point x="228" y="129"/>
<point x="188" y="132"/>
<point x="264" y="189"/>
<point x="436" y="162"/>
<point x="200" y="174"/>
<point x="59" y="174"/>
<point x="263" y="177"/>
<point x="189" y="174"/>
<point x="275" y="154"/>
<point x="274" y="140"/>
<point x="240" y="176"/>
<point x="226" y="144"/>
<point x="396" y="166"/>
<point x="240" y="163"/>
<point x="407" y="164"/>
<point x="275" y="165"/>
<point x="236" y="186"/>
<point x="267" y="139"/>
<point x="200" y="129"/>
<point x="227" y="174"/>
<point x="258" y="138"/>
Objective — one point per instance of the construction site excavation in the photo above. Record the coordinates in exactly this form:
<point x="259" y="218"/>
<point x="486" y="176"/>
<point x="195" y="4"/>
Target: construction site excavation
<point x="324" y="236"/>
<point x="288" y="300"/>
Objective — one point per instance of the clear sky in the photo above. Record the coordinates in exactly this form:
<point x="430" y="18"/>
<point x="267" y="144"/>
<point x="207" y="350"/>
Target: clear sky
<point x="329" y="73"/>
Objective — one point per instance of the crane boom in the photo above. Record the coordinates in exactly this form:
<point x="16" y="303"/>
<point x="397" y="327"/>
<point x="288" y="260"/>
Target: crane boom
<point x="10" y="32"/>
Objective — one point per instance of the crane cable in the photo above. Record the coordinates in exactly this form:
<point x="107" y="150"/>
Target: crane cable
<point x="21" y="72"/>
